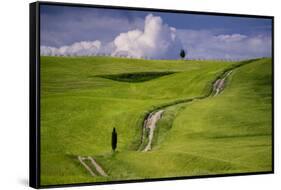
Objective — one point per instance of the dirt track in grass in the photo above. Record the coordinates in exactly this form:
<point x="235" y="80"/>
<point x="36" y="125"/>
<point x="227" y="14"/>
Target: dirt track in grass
<point x="150" y="122"/>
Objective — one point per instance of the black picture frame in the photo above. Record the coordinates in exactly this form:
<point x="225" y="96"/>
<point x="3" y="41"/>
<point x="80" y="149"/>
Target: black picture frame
<point x="34" y="99"/>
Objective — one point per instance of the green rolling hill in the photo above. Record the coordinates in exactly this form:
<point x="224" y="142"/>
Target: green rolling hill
<point x="83" y="98"/>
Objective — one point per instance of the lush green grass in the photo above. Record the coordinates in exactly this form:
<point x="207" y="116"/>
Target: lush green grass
<point x="233" y="128"/>
<point x="223" y="134"/>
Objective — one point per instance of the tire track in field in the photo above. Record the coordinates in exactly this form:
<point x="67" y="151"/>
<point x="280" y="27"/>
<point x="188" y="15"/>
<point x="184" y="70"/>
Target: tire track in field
<point x="94" y="164"/>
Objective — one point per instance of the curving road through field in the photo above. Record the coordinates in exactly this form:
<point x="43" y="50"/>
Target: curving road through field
<point x="153" y="117"/>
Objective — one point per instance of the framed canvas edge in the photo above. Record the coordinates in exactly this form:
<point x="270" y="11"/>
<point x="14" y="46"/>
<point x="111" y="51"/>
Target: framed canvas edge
<point x="34" y="94"/>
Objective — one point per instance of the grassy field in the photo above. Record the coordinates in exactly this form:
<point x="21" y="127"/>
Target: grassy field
<point x="83" y="98"/>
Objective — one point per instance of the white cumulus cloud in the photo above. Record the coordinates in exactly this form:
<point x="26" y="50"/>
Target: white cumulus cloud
<point x="84" y="48"/>
<point x="230" y="37"/>
<point x="157" y="40"/>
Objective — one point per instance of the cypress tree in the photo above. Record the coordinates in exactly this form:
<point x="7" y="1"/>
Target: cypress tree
<point x="182" y="54"/>
<point x="114" y="139"/>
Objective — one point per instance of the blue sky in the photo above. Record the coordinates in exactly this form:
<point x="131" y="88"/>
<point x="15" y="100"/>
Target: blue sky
<point x="151" y="34"/>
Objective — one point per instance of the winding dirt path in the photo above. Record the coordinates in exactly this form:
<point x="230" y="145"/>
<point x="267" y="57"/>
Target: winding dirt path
<point x="150" y="124"/>
<point x="154" y="116"/>
<point x="219" y="85"/>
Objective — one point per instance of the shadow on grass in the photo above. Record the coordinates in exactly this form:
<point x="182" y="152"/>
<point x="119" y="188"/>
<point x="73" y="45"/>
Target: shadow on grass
<point x="135" y="77"/>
